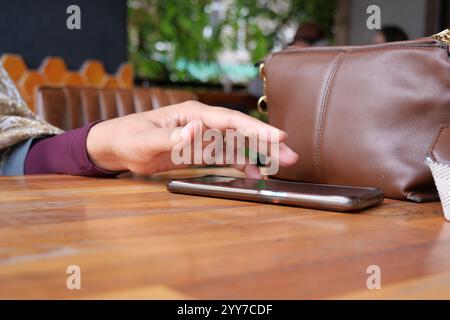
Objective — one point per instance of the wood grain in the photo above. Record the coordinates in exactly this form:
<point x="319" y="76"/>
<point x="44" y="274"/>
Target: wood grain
<point x="133" y="239"/>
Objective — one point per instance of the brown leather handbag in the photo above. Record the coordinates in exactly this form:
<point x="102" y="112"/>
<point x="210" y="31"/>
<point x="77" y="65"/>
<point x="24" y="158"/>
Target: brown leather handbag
<point x="362" y="115"/>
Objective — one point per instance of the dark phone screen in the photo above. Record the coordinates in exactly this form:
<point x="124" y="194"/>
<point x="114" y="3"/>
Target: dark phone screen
<point x="281" y="186"/>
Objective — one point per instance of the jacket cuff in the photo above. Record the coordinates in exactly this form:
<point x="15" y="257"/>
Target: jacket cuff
<point x="65" y="154"/>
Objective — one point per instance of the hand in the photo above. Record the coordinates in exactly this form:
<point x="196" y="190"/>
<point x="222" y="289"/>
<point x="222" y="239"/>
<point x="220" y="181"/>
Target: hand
<point x="143" y="142"/>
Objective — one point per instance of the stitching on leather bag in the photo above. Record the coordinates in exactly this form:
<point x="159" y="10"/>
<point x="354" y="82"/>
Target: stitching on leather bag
<point x="323" y="111"/>
<point x="385" y="47"/>
<point x="445" y="54"/>
<point x="266" y="62"/>
<point x="443" y="49"/>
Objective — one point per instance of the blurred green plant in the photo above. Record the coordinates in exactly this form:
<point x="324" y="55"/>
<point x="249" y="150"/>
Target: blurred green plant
<point x="179" y="39"/>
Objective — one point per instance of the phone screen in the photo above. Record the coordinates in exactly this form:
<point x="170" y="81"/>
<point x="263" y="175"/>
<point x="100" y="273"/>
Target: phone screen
<point x="281" y="186"/>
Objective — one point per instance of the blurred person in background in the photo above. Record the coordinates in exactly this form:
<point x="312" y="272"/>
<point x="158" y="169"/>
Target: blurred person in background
<point x="309" y="34"/>
<point x="389" y="34"/>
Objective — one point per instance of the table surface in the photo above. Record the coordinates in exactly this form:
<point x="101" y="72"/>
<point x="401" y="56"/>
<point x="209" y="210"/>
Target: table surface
<point x="133" y="239"/>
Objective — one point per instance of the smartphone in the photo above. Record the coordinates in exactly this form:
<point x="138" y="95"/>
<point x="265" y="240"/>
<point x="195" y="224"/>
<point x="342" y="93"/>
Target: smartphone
<point x="307" y="195"/>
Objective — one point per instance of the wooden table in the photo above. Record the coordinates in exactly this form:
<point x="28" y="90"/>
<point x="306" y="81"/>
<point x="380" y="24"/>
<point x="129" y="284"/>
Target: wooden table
<point x="133" y="239"/>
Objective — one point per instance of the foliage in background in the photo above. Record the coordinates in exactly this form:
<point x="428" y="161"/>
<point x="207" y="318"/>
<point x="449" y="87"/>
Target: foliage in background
<point x="181" y="40"/>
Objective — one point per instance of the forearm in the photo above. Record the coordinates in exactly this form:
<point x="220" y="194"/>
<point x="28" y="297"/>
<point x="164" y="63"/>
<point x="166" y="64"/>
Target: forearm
<point x="64" y="154"/>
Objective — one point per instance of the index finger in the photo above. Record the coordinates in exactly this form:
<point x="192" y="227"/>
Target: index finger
<point x="223" y="118"/>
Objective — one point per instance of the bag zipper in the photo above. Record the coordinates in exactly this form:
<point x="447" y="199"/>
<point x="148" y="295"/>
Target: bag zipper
<point x="443" y="36"/>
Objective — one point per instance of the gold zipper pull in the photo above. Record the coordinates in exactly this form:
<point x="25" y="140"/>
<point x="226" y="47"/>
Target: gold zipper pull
<point x="263" y="100"/>
<point x="443" y="36"/>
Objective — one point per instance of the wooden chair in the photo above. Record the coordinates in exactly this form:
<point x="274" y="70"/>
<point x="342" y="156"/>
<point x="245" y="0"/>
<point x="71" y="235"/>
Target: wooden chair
<point x="72" y="107"/>
<point x="53" y="71"/>
<point x="14" y="65"/>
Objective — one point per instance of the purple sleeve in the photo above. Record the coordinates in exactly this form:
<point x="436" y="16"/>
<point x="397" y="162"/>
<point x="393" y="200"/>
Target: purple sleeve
<point x="65" y="154"/>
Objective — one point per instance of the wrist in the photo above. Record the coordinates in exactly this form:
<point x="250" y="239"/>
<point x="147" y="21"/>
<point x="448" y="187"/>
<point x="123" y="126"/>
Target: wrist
<point x="99" y="147"/>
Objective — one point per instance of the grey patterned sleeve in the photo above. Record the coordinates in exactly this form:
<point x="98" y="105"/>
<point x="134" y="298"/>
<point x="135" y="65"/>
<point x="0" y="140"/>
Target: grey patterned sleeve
<point x="17" y="122"/>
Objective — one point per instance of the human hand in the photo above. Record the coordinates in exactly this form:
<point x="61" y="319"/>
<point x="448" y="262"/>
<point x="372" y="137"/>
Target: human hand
<point x="143" y="142"/>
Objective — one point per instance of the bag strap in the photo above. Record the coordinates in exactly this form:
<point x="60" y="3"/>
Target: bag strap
<point x="438" y="161"/>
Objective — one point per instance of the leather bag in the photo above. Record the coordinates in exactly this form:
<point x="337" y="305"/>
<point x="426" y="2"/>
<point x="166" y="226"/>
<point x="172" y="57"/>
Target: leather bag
<point x="361" y="115"/>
